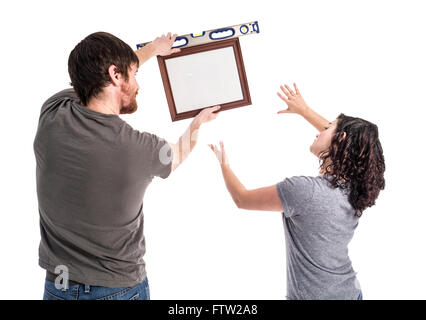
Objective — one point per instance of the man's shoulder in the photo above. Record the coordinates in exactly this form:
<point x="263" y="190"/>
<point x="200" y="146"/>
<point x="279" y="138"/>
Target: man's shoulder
<point x="57" y="98"/>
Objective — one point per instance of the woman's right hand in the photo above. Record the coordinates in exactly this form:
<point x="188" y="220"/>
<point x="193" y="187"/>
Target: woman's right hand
<point x="294" y="100"/>
<point x="220" y="153"/>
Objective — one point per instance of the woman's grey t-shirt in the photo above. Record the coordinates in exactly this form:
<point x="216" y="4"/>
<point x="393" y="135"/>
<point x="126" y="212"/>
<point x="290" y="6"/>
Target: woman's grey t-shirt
<point x="319" y="223"/>
<point x="92" y="172"/>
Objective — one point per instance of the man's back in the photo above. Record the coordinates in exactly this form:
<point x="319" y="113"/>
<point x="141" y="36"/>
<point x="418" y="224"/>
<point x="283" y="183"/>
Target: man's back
<point x="92" y="173"/>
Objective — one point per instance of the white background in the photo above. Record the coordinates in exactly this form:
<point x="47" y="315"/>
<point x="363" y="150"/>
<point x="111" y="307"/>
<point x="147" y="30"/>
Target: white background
<point x="362" y="58"/>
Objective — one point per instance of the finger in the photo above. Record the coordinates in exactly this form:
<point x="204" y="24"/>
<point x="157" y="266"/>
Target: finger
<point x="174" y="37"/>
<point x="169" y="35"/>
<point x="215" y="108"/>
<point x="284" y="111"/>
<point x="282" y="97"/>
<point x="289" y="90"/>
<point x="174" y="51"/>
<point x="296" y="88"/>
<point x="222" y="146"/>
<point x="285" y="91"/>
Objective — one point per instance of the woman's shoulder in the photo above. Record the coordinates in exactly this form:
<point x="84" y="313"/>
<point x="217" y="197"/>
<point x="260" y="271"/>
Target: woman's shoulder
<point x="308" y="181"/>
<point x="319" y="184"/>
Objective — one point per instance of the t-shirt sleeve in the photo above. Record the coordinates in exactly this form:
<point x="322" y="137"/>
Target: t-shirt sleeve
<point x="160" y="154"/>
<point x="295" y="193"/>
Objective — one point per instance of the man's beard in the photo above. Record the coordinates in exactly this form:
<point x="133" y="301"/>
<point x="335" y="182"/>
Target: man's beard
<point x="133" y="105"/>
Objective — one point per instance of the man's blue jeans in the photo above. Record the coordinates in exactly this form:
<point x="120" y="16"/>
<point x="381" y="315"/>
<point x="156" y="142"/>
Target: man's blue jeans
<point x="86" y="292"/>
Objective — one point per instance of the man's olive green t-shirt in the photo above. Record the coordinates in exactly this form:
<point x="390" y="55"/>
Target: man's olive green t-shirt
<point x="92" y="172"/>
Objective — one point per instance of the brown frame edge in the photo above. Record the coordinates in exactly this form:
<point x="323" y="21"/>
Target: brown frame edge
<point x="235" y="43"/>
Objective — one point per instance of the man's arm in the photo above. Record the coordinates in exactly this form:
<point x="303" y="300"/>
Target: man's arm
<point x="145" y="53"/>
<point x="188" y="140"/>
<point x="296" y="104"/>
<point x="160" y="46"/>
<point x="163" y="46"/>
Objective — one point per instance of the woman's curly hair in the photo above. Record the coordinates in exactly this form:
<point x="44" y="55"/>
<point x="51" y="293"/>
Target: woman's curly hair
<point x="355" y="157"/>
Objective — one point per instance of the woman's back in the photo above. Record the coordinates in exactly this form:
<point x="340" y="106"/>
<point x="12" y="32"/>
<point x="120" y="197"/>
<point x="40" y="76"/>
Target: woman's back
<point x="319" y="223"/>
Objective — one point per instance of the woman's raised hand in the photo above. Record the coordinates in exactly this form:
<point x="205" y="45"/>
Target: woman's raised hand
<point x="220" y="153"/>
<point x="293" y="99"/>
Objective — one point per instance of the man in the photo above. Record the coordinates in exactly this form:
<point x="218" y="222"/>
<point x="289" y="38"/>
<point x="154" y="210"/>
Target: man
<point x="93" y="169"/>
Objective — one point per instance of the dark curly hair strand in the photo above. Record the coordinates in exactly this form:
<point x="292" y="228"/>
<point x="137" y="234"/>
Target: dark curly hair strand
<point x="355" y="157"/>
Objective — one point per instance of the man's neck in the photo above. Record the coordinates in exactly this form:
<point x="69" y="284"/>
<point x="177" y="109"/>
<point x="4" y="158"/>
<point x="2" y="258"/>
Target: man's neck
<point x="106" y="104"/>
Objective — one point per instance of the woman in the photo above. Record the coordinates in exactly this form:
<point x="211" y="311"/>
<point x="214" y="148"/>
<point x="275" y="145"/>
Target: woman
<point x="320" y="213"/>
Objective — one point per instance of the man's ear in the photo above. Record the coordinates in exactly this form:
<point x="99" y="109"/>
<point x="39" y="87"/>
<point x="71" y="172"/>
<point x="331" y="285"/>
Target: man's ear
<point x="114" y="76"/>
<point x="343" y="137"/>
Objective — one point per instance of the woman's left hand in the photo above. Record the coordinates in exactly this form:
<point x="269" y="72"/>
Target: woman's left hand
<point x="220" y="153"/>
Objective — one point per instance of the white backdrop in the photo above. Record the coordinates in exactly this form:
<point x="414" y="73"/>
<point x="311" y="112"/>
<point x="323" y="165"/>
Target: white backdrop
<point x="363" y="58"/>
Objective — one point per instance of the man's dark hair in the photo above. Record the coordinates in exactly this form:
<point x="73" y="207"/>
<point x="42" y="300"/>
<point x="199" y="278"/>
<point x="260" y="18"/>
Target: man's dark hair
<point x="89" y="61"/>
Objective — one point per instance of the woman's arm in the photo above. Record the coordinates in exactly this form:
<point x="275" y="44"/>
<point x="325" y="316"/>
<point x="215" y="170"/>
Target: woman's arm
<point x="258" y="199"/>
<point x="296" y="104"/>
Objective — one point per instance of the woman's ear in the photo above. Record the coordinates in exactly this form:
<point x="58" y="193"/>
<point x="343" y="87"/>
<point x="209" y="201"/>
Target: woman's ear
<point x="114" y="76"/>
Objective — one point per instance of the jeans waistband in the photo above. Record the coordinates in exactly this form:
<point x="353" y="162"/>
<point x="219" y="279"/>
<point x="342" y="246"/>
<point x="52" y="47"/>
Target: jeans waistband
<point x="52" y="277"/>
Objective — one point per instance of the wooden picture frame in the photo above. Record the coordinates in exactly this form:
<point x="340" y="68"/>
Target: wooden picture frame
<point x="202" y="76"/>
